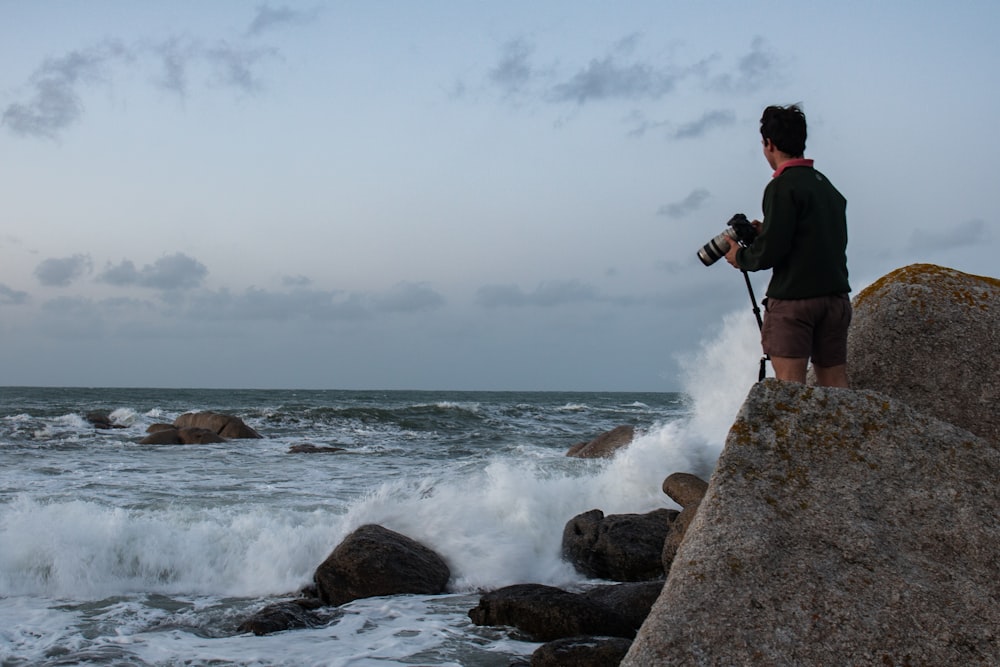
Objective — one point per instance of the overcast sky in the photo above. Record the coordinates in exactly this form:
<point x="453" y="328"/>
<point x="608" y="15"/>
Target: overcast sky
<point x="453" y="195"/>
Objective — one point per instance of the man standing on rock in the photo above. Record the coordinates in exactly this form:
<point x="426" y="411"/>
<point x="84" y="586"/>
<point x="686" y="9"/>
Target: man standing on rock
<point x="803" y="239"/>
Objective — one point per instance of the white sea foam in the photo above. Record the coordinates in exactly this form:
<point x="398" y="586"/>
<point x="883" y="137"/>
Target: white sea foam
<point x="80" y="577"/>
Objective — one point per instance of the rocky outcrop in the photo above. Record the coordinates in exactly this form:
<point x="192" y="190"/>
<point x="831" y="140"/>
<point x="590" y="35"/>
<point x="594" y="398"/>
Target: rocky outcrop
<point x="198" y="428"/>
<point x="619" y="547"/>
<point x="930" y="336"/>
<point x="226" y="426"/>
<point x="687" y="491"/>
<point x="604" y="445"/>
<point x="102" y="419"/>
<point x="546" y="613"/>
<point x="374" y="561"/>
<point x="839" y="527"/>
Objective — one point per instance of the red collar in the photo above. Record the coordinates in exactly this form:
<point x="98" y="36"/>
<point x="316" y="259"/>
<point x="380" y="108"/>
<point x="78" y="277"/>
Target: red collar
<point x="796" y="162"/>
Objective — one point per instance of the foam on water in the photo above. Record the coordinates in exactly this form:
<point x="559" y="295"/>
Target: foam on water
<point x="80" y="580"/>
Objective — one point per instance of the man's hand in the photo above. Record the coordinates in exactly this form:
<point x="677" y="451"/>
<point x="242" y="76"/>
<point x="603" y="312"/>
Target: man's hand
<point x="731" y="253"/>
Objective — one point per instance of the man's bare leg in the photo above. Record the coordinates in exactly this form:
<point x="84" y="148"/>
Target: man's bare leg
<point x="834" y="376"/>
<point x="790" y="369"/>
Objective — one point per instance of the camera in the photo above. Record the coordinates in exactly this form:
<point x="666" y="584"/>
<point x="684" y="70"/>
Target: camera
<point x="739" y="229"/>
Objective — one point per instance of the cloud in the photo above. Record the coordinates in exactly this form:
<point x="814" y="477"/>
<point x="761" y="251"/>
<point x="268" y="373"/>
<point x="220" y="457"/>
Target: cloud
<point x="513" y="73"/>
<point x="172" y="272"/>
<point x="689" y="204"/>
<point x="55" y="98"/>
<point x="708" y="121"/>
<point x="555" y="293"/>
<point x="12" y="297"/>
<point x="234" y="66"/>
<point x="969" y="233"/>
<point x="60" y="272"/>
<point x="755" y="71"/>
<point x="269" y="18"/>
<point x="406" y="297"/>
<point x="55" y="102"/>
<point x="264" y="305"/>
<point x="606" y="78"/>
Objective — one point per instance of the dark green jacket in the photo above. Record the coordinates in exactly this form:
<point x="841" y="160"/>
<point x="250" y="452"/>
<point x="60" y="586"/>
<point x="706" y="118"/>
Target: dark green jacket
<point x="804" y="236"/>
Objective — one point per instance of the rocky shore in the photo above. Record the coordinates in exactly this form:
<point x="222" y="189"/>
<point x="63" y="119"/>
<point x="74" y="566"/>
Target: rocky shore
<point x="840" y="526"/>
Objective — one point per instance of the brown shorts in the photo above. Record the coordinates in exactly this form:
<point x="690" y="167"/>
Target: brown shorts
<point x="813" y="328"/>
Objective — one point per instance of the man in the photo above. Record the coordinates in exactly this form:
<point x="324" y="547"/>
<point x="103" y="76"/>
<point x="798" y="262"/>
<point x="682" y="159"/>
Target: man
<point x="803" y="239"/>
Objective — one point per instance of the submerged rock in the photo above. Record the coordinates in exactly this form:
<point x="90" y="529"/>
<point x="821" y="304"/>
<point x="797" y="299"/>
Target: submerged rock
<point x="581" y="652"/>
<point x="291" y="615"/>
<point x="839" y="527"/>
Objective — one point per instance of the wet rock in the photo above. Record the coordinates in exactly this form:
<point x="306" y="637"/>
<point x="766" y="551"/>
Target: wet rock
<point x="101" y="419"/>
<point x="307" y="448"/>
<point x="604" y="445"/>
<point x="225" y="426"/>
<point x="374" y="561"/>
<point x="632" y="601"/>
<point x="181" y="436"/>
<point x="581" y="652"/>
<point x="619" y="547"/>
<point x="546" y="613"/>
<point x="283" y="616"/>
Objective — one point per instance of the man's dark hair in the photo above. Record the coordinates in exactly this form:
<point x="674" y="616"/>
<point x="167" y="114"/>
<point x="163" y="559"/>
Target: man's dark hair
<point x="785" y="127"/>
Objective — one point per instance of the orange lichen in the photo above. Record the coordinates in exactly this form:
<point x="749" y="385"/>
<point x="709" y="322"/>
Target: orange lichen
<point x="937" y="277"/>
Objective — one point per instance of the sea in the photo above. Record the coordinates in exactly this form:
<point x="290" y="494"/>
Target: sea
<point x="117" y="553"/>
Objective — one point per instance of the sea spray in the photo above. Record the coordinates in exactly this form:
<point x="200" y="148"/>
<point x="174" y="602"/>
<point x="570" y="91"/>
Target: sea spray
<point x="504" y="524"/>
<point x="113" y="552"/>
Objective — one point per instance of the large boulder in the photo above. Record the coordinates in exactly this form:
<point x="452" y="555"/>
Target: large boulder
<point x="605" y="445"/>
<point x="840" y="527"/>
<point x="930" y="336"/>
<point x="546" y="613"/>
<point x="226" y="426"/>
<point x="619" y="547"/>
<point x="374" y="561"/>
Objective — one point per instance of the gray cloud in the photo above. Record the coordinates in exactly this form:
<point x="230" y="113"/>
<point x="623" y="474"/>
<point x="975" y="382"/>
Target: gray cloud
<point x="60" y="272"/>
<point x="256" y="304"/>
<point x="689" y="204"/>
<point x="547" y="294"/>
<point x="708" y="121"/>
<point x="969" y="233"/>
<point x="755" y="71"/>
<point x="607" y="79"/>
<point x="408" y="297"/>
<point x="12" y="297"/>
<point x="514" y="72"/>
<point x="269" y="18"/>
<point x="172" y="272"/>
<point x="619" y="76"/>
<point x="54" y="102"/>
<point x="235" y="66"/>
